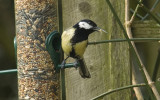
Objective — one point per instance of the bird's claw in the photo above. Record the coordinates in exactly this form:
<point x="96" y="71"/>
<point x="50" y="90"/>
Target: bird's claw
<point x="75" y="64"/>
<point x="63" y="64"/>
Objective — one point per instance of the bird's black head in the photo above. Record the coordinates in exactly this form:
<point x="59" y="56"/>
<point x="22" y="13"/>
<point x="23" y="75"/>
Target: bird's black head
<point x="86" y="25"/>
<point x="83" y="29"/>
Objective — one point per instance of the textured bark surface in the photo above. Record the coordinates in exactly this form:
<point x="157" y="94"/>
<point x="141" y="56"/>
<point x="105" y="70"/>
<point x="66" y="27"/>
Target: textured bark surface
<point x="35" y="19"/>
<point x="108" y="63"/>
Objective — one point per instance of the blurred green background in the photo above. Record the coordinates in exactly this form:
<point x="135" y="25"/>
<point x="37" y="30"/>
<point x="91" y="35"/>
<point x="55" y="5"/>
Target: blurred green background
<point x="8" y="82"/>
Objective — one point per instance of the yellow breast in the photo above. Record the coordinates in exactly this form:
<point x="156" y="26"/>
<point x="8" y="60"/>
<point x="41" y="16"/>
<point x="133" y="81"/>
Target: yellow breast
<point x="66" y="44"/>
<point x="80" y="48"/>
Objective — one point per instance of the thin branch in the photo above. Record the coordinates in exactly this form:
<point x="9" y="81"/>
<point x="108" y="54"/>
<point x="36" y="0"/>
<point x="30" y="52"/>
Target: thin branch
<point x="134" y="14"/>
<point x="129" y="35"/>
<point x="144" y="71"/>
<point x="137" y="90"/>
<point x="118" y="89"/>
<point x="138" y="15"/>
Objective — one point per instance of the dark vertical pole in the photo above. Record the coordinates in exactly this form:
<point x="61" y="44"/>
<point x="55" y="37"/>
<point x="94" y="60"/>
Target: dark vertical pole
<point x="62" y="75"/>
<point x="35" y="19"/>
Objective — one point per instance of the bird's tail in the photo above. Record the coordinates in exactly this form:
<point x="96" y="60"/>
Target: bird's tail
<point x="83" y="70"/>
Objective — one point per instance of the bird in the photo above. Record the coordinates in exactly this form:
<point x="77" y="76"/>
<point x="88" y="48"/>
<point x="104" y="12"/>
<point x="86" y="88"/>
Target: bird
<point x="75" y="41"/>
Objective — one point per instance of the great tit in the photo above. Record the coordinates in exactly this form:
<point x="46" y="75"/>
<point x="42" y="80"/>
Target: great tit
<point x="74" y="43"/>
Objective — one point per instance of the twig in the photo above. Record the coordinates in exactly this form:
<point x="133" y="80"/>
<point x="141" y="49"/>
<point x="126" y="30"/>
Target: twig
<point x="138" y="15"/>
<point x="129" y="33"/>
<point x="134" y="14"/>
<point x="128" y="29"/>
<point x="144" y="71"/>
<point x="137" y="90"/>
<point x="118" y="89"/>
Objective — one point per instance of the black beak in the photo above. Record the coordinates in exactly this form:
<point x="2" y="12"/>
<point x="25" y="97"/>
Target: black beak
<point x="99" y="29"/>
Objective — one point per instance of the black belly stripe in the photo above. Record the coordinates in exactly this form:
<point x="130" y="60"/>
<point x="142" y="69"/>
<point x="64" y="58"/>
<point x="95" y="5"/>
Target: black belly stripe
<point x="79" y="36"/>
<point x="73" y="54"/>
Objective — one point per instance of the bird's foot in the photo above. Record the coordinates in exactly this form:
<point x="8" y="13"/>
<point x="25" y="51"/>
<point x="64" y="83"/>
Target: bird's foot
<point x="75" y="64"/>
<point x="63" y="64"/>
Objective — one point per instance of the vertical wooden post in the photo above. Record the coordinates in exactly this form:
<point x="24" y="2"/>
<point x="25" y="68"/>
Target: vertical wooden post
<point x="108" y="63"/>
<point x="35" y="19"/>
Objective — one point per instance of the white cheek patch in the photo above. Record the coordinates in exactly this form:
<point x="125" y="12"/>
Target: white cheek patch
<point x="85" y="25"/>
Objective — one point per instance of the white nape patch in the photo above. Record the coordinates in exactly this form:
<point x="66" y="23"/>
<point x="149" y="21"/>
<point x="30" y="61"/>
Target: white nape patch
<point x="84" y="25"/>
